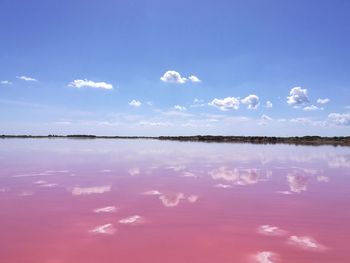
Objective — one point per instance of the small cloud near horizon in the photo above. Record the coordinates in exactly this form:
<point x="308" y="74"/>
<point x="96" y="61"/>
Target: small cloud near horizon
<point x="84" y="83"/>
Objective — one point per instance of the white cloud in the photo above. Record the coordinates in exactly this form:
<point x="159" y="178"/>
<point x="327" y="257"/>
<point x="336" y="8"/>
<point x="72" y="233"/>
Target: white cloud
<point x="341" y="119"/>
<point x="297" y="96"/>
<point x="226" y="104"/>
<point x="84" y="83"/>
<point x="312" y="108"/>
<point x="323" y="101"/>
<point x="252" y="101"/>
<point x="135" y="103"/>
<point x="180" y="108"/>
<point x="172" y="76"/>
<point x="194" y="79"/>
<point x="27" y="78"/>
<point x="6" y="82"/>
<point x="268" y="104"/>
<point x="305" y="121"/>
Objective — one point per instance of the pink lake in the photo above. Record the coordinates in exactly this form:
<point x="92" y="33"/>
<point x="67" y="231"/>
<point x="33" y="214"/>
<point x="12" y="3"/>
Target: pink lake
<point x="68" y="200"/>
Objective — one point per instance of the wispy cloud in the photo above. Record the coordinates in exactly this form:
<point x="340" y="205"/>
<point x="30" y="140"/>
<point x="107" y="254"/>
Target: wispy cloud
<point x="107" y="229"/>
<point x="84" y="83"/>
<point x="266" y="118"/>
<point x="341" y="119"/>
<point x="306" y="243"/>
<point x="156" y="124"/>
<point x="25" y="78"/>
<point x="197" y="103"/>
<point x="312" y="108"/>
<point x="180" y="108"/>
<point x="6" y="82"/>
<point x="323" y="101"/>
<point x="63" y="122"/>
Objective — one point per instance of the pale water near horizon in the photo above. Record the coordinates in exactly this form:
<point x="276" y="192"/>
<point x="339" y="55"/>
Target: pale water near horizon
<point x="70" y="200"/>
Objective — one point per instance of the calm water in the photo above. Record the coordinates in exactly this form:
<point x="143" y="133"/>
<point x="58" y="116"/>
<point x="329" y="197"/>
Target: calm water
<point x="143" y="201"/>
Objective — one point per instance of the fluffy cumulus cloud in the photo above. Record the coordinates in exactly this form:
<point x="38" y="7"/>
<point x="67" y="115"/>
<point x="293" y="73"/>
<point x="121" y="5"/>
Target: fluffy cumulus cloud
<point x="312" y="108"/>
<point x="225" y="104"/>
<point x="172" y="76"/>
<point x="252" y="101"/>
<point x="6" y="82"/>
<point x="26" y="78"/>
<point x="323" y="101"/>
<point x="180" y="108"/>
<point x="297" y="97"/>
<point x="194" y="78"/>
<point x="135" y="103"/>
<point x="84" y="83"/>
<point x="341" y="119"/>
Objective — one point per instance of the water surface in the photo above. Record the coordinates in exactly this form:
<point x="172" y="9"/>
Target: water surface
<point x="69" y="200"/>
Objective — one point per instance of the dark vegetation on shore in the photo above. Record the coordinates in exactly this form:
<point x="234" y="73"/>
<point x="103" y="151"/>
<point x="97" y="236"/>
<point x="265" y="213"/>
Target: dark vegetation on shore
<point x="304" y="140"/>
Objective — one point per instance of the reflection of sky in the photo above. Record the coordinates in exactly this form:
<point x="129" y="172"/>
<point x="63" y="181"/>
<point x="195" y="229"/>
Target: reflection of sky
<point x="182" y="190"/>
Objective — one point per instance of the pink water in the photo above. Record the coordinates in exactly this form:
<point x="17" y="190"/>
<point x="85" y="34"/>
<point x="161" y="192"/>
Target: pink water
<point x="143" y="201"/>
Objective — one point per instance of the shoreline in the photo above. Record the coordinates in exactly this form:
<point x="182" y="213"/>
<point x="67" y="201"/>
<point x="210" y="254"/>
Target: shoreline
<point x="296" y="140"/>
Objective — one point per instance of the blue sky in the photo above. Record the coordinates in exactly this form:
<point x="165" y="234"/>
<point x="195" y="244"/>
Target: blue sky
<point x="175" y="68"/>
